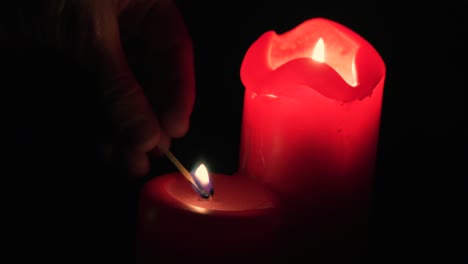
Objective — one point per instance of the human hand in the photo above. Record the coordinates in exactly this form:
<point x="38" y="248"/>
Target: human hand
<point x="147" y="103"/>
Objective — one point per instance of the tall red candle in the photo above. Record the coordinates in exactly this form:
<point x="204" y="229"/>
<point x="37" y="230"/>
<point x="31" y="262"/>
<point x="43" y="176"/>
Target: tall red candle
<point x="177" y="225"/>
<point x="311" y="117"/>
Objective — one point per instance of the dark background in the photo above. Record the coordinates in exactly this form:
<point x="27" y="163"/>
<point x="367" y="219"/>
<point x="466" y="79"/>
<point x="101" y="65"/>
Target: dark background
<point x="62" y="203"/>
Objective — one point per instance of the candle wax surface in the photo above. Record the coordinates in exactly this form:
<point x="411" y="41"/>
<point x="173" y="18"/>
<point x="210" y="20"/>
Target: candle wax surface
<point x="232" y="195"/>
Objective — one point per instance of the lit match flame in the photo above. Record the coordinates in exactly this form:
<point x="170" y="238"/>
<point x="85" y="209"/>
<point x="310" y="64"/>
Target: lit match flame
<point x="202" y="181"/>
<point x="319" y="51"/>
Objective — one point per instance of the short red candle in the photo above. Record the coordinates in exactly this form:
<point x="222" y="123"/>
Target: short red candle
<point x="311" y="117"/>
<point x="176" y="224"/>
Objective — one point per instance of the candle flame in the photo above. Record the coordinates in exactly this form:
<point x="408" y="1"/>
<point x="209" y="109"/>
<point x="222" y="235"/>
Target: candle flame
<point x="202" y="180"/>
<point x="354" y="82"/>
<point x="319" y="56"/>
<point x="319" y="51"/>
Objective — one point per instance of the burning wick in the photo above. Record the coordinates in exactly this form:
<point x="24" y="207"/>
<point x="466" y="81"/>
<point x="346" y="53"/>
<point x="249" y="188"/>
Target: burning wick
<point x="200" y="179"/>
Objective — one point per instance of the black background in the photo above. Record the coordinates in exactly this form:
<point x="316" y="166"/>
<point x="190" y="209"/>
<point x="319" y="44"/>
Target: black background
<point x="62" y="204"/>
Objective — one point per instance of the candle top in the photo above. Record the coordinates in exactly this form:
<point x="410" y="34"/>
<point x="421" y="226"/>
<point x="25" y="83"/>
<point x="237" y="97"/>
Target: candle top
<point x="319" y="54"/>
<point x="233" y="195"/>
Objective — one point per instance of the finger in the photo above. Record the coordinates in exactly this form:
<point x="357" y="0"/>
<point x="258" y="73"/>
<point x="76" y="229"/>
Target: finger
<point x="164" y="145"/>
<point x="169" y="70"/>
<point x="126" y="104"/>
<point x="138" y="164"/>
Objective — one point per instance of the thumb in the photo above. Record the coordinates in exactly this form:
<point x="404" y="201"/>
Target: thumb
<point x="130" y="114"/>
